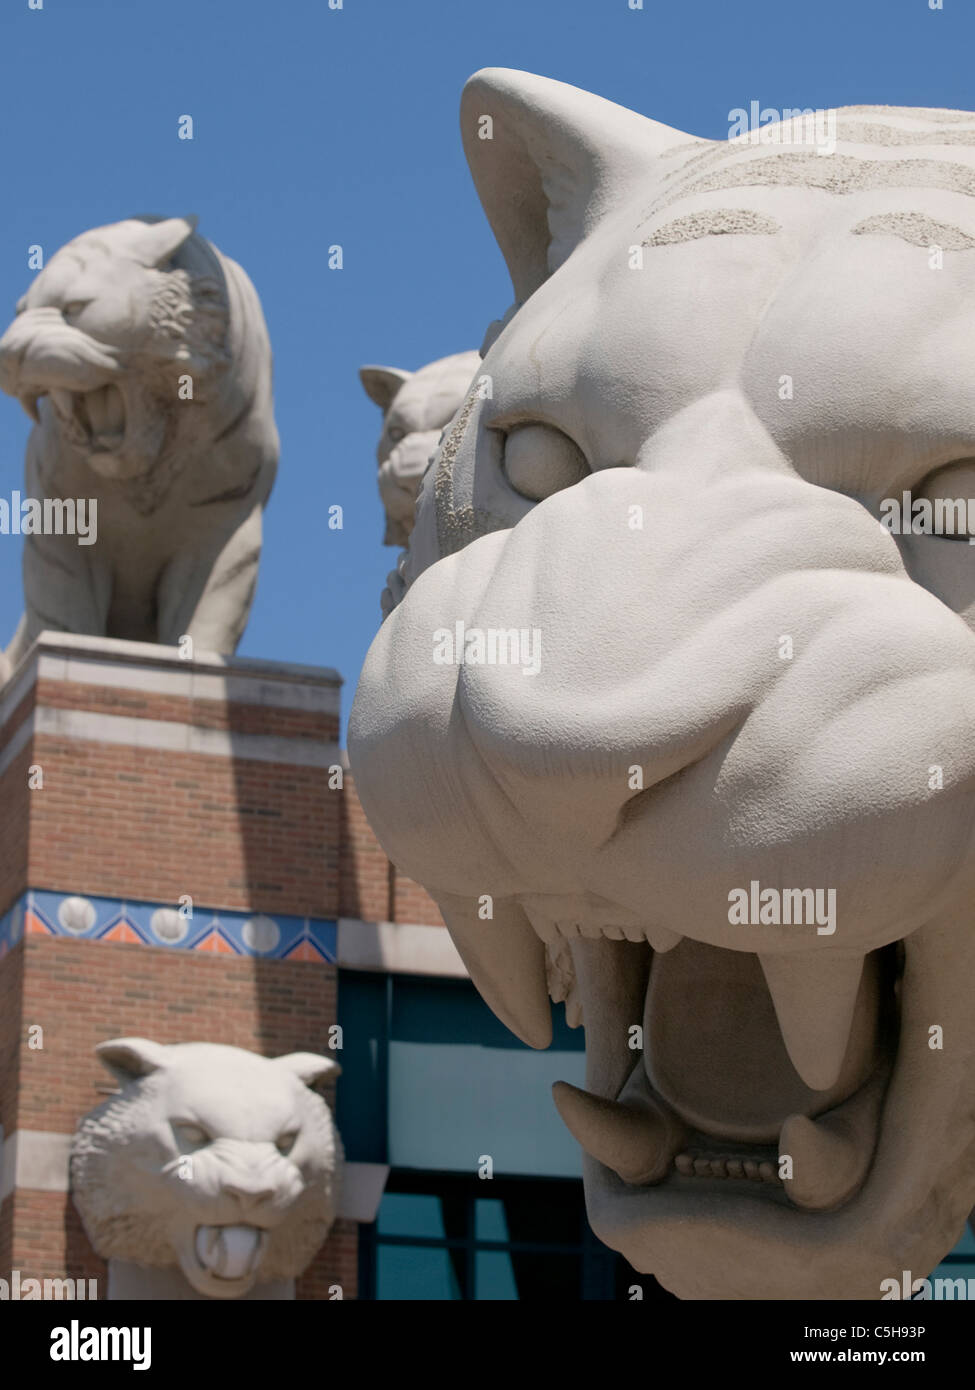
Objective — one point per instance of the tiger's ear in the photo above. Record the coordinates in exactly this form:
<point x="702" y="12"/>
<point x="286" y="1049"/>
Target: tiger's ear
<point x="382" y="383"/>
<point x="309" y="1067"/>
<point x="129" y="1058"/>
<point x="155" y="240"/>
<point x="549" y="162"/>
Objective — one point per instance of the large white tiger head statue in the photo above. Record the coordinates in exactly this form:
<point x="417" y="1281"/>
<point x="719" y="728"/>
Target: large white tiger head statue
<point x="211" y="1158"/>
<point x="683" y="646"/>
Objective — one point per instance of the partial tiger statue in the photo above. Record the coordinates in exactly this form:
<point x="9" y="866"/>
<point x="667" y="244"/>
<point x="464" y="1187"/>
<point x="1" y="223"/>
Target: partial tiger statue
<point x="141" y="352"/>
<point x="416" y="406"/>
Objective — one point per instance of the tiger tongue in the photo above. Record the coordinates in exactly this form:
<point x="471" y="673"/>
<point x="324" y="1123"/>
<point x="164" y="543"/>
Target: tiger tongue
<point x="106" y="410"/>
<point x="714" y="1049"/>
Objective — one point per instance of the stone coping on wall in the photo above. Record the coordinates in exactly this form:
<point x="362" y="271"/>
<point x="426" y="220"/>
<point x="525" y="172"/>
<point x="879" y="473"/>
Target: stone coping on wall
<point x="156" y="669"/>
<point x="398" y="948"/>
<point x="39" y="1160"/>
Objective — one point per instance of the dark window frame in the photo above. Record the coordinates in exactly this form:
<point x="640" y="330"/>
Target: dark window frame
<point x="602" y="1273"/>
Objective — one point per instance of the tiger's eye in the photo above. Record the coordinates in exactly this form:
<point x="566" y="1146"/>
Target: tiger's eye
<point x="951" y="492"/>
<point x="191" y="1136"/>
<point x="540" y="460"/>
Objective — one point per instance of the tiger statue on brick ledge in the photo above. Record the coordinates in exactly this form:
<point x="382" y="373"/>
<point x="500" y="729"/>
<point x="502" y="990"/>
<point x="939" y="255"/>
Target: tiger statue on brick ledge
<point x="142" y="354"/>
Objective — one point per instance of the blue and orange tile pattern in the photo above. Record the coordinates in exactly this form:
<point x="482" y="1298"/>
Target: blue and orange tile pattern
<point x="167" y="925"/>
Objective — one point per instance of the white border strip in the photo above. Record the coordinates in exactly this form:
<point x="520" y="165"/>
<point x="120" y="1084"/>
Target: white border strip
<point x="160" y="670"/>
<point x="35" y="1158"/>
<point x="39" y="1160"/>
<point x="170" y="736"/>
<point x="399" y="948"/>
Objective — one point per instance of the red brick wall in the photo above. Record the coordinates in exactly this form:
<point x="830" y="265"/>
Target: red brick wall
<point x="11" y="992"/>
<point x="82" y="992"/>
<point x="11" y="987"/>
<point x="364" y="880"/>
<point x="235" y="716"/>
<point x="46" y="1240"/>
<point x="148" y="824"/>
<point x="336" y="1263"/>
<point x="115" y="820"/>
<point x="14" y="819"/>
<point x="370" y="888"/>
<point x="414" y="904"/>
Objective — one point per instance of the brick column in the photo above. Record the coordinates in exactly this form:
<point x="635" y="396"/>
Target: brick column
<point x="132" y="783"/>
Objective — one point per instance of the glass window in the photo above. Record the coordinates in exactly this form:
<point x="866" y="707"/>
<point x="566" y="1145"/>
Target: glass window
<point x="410" y="1214"/>
<point x="437" y="1236"/>
<point x="416" y="1272"/>
<point x="494" y="1276"/>
<point x="489" y="1219"/>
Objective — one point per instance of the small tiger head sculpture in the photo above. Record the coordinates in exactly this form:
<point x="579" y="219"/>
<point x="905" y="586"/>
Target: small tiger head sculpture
<point x="211" y="1158"/>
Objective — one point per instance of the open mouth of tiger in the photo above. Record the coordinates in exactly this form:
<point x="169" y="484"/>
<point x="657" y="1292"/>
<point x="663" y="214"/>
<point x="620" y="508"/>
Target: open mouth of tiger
<point x="755" y="1122"/>
<point x="748" y="1119"/>
<point x="94" y="421"/>
<point x="225" y="1260"/>
<point x="764" y="1075"/>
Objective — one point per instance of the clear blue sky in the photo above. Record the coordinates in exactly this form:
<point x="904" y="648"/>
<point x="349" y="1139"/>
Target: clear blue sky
<point x="315" y="126"/>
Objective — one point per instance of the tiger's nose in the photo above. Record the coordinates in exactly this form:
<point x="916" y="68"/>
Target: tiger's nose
<point x="249" y="1196"/>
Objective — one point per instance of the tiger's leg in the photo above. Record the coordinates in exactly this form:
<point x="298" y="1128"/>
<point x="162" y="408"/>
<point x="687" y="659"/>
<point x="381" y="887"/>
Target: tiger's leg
<point x="207" y="595"/>
<point x="67" y="588"/>
<point x="67" y="585"/>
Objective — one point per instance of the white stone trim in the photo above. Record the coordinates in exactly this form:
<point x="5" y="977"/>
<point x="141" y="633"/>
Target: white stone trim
<point x="39" y="1159"/>
<point x="154" y="669"/>
<point x="35" y="1158"/>
<point x="171" y="736"/>
<point x="399" y="948"/>
<point x="363" y="1185"/>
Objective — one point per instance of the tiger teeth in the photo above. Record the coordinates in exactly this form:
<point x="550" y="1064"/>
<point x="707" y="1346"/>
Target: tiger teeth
<point x="229" y="1252"/>
<point x="718" y="1166"/>
<point x="830" y="1154"/>
<point x="635" y="1135"/>
<point x="506" y="961"/>
<point x="566" y="929"/>
<point x="815" y="996"/>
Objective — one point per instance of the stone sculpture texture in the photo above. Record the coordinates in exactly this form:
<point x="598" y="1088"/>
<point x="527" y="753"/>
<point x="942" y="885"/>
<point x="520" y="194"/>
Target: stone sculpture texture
<point x="725" y="359"/>
<point x="416" y="406"/>
<point x="142" y="354"/>
<point x="210" y="1159"/>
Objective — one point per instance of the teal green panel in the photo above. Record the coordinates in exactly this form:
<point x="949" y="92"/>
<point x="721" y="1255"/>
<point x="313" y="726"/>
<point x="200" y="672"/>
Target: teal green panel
<point x="948" y="1290"/>
<point x="360" y="1112"/>
<point x="410" y="1214"/>
<point x="494" y="1277"/>
<point x="429" y="1010"/>
<point x="966" y="1246"/>
<point x="451" y="1105"/>
<point x="490" y="1222"/>
<point x="415" y="1272"/>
